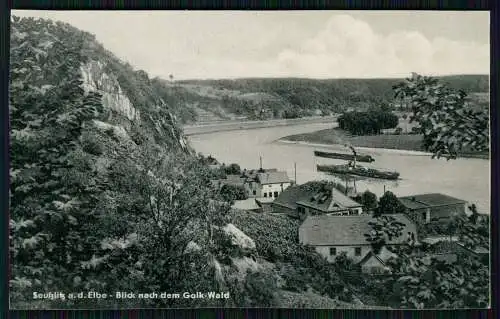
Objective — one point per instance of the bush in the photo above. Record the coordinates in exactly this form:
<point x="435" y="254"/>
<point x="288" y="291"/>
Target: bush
<point x="367" y="123"/>
<point x="390" y="204"/>
<point x="232" y="169"/>
<point x="230" y="193"/>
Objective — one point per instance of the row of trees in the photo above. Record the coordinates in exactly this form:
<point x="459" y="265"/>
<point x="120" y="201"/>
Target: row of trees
<point x="367" y="123"/>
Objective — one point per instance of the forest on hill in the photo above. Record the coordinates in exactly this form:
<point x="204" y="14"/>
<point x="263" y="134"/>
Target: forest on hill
<point x="295" y="97"/>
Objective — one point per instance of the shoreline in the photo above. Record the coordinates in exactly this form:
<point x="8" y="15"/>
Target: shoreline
<point x="225" y="126"/>
<point x="340" y="147"/>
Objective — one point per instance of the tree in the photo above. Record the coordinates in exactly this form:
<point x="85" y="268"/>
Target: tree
<point x="367" y="123"/>
<point x="390" y="204"/>
<point x="369" y="200"/>
<point x="448" y="123"/>
<point x="430" y="283"/>
<point x="384" y="229"/>
<point x="232" y="169"/>
<point x="230" y="193"/>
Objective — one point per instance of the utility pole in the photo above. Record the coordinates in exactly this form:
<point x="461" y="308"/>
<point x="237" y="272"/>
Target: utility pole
<point x="295" y="169"/>
<point x="260" y="163"/>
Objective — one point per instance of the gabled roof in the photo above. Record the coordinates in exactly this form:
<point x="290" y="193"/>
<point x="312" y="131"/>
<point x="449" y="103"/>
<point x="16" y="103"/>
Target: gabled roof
<point x="329" y="200"/>
<point x="328" y="230"/>
<point x="290" y="196"/>
<point x="429" y="200"/>
<point x="272" y="178"/>
<point x="383" y="256"/>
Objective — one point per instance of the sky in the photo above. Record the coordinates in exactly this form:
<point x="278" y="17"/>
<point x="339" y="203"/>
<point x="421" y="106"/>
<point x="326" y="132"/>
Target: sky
<point x="312" y="44"/>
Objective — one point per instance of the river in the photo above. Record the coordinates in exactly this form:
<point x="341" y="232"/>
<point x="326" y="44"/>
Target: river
<point x="467" y="179"/>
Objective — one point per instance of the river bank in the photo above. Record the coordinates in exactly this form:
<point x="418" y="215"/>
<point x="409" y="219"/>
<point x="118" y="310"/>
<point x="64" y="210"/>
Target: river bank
<point x="234" y="125"/>
<point x="467" y="179"/>
<point x="402" y="142"/>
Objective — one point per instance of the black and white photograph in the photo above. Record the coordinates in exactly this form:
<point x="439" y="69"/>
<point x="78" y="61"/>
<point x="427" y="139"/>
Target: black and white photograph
<point x="274" y="159"/>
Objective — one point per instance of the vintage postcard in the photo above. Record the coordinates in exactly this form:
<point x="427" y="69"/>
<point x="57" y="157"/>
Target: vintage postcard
<point x="293" y="159"/>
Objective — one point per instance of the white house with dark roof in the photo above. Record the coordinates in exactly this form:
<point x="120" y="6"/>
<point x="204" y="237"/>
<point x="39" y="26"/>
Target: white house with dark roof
<point x="299" y="201"/>
<point x="333" y="235"/>
<point x="268" y="184"/>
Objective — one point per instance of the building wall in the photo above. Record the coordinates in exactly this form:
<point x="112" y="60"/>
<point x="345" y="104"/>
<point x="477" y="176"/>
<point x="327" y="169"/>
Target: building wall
<point x="441" y="213"/>
<point x="268" y="188"/>
<point x="444" y="212"/>
<point x="285" y="210"/>
<point x="349" y="250"/>
<point x="266" y="207"/>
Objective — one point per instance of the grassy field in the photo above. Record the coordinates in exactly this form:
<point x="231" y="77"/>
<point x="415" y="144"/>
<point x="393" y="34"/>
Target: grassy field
<point x="405" y="142"/>
<point x="338" y="136"/>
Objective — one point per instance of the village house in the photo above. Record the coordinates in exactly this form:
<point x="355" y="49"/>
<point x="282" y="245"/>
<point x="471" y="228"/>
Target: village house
<point x="434" y="207"/>
<point x="458" y="249"/>
<point x="266" y="184"/>
<point x="332" y="235"/>
<point x="300" y="203"/>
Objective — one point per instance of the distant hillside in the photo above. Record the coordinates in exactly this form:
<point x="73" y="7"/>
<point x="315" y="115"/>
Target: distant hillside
<point x="295" y="97"/>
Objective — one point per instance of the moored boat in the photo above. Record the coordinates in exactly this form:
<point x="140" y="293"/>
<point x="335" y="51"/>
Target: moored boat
<point x="343" y="156"/>
<point x="358" y="170"/>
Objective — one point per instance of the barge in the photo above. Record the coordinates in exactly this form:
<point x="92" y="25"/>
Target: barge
<point x="357" y="170"/>
<point x="347" y="157"/>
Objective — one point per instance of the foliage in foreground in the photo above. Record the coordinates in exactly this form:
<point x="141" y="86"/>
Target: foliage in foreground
<point x="450" y="126"/>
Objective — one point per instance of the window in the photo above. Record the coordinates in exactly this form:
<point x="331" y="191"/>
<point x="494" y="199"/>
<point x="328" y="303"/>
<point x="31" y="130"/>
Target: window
<point x="270" y="194"/>
<point x="265" y="194"/>
<point x="333" y="251"/>
<point x="424" y="216"/>
<point x="275" y="194"/>
<point x="254" y="192"/>
<point x="357" y="251"/>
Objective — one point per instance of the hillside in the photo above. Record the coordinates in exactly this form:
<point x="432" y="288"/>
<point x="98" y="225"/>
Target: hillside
<point x="295" y="97"/>
<point x="107" y="196"/>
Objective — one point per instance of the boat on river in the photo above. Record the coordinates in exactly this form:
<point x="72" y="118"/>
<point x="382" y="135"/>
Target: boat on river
<point x="343" y="156"/>
<point x="358" y="170"/>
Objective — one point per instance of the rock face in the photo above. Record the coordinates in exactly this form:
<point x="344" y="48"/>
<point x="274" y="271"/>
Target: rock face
<point x="95" y="79"/>
<point x="238" y="237"/>
<point x="130" y="101"/>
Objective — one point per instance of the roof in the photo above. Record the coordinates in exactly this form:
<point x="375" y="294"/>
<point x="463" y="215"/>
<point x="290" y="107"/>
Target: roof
<point x="429" y="200"/>
<point x="235" y="180"/>
<point x="329" y="200"/>
<point x="272" y="178"/>
<point x="264" y="200"/>
<point x="291" y="195"/>
<point x="383" y="256"/>
<point x="252" y="173"/>
<point x="247" y="204"/>
<point x="331" y="230"/>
